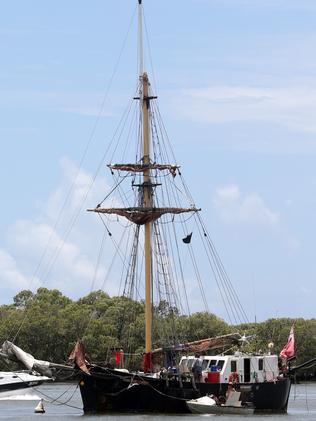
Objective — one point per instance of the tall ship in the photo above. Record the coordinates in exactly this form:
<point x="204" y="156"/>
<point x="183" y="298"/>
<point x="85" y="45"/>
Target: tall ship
<point x="154" y="204"/>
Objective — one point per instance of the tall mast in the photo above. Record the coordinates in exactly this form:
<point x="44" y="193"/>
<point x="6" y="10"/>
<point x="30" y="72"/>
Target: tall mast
<point x="145" y="103"/>
<point x="147" y="204"/>
<point x="145" y="213"/>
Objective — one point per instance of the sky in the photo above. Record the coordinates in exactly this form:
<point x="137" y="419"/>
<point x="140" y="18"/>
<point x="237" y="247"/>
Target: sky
<point x="236" y="81"/>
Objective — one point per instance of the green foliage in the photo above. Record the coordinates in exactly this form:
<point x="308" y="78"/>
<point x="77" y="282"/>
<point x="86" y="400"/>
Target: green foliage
<point x="23" y="298"/>
<point x="49" y="323"/>
<point x="205" y="325"/>
<point x="276" y="332"/>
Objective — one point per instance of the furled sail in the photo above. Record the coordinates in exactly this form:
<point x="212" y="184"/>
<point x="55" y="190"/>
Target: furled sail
<point x="14" y="353"/>
<point x="212" y="343"/>
<point x="204" y="344"/>
<point x="143" y="167"/>
<point x="141" y="215"/>
<point x="78" y="357"/>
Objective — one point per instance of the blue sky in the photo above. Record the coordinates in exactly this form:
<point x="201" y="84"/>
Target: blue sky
<point x="236" y="81"/>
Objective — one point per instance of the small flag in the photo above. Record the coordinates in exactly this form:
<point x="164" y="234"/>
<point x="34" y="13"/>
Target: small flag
<point x="288" y="350"/>
<point x="147" y="362"/>
<point x="187" y="239"/>
<point x="117" y="357"/>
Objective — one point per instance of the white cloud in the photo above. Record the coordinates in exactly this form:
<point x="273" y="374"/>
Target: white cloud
<point x="12" y="279"/>
<point x="293" y="107"/>
<point x="233" y="207"/>
<point x="250" y="210"/>
<point x="75" y="188"/>
<point x="58" y="249"/>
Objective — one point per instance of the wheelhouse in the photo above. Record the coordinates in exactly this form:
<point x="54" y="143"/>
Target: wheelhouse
<point x="239" y="367"/>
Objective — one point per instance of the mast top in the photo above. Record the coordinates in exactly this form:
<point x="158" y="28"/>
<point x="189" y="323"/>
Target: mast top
<point x="140" y="40"/>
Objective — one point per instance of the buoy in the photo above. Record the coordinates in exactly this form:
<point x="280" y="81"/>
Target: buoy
<point x="39" y="409"/>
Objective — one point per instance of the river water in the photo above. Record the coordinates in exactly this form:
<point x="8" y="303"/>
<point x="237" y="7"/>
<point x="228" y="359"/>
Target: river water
<point x="62" y="402"/>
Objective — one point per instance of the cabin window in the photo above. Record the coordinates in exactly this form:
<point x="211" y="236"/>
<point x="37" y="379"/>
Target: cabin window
<point x="190" y="363"/>
<point x="233" y="365"/>
<point x="260" y="364"/>
<point x="205" y="364"/>
<point x="213" y="365"/>
<point x="220" y="364"/>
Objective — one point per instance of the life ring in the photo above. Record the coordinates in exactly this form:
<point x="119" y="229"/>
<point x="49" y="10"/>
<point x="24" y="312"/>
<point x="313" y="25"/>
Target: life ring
<point x="233" y="378"/>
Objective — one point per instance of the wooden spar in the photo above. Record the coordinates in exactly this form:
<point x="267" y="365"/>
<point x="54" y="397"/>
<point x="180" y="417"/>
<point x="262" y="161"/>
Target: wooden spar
<point x="145" y="103"/>
<point x="147" y="204"/>
<point x="141" y="215"/>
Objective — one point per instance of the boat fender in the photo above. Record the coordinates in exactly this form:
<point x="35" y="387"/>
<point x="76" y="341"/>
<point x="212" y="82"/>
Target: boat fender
<point x="233" y="378"/>
<point x="39" y="409"/>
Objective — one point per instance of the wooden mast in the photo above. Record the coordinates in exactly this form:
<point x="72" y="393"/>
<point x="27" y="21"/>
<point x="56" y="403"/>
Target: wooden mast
<point x="147" y="204"/>
<point x="145" y="103"/>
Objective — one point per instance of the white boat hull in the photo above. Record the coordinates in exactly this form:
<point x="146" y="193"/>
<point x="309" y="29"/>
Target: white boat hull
<point x="199" y="408"/>
<point x="18" y="383"/>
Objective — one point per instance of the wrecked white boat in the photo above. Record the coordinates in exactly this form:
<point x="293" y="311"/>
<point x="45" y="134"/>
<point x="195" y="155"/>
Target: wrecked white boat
<point x="211" y="405"/>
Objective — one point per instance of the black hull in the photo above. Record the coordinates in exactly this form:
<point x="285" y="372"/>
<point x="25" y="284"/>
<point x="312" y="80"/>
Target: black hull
<point x="105" y="391"/>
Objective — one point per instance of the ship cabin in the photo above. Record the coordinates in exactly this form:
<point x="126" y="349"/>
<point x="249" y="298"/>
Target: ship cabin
<point x="239" y="367"/>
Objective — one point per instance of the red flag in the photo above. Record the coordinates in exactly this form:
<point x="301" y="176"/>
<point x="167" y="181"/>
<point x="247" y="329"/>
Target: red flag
<point x="147" y="362"/>
<point x="118" y="357"/>
<point x="288" y="350"/>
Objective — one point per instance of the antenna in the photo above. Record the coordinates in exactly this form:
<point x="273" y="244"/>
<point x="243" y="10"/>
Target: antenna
<point x="140" y="39"/>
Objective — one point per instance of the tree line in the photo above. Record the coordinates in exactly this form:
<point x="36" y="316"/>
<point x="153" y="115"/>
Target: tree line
<point x="47" y="324"/>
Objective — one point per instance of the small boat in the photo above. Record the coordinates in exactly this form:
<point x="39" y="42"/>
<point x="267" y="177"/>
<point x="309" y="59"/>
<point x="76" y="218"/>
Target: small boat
<point x="211" y="405"/>
<point x="13" y="383"/>
<point x="16" y="382"/>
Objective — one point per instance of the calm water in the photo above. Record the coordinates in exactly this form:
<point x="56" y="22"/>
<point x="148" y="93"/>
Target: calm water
<point x="62" y="403"/>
